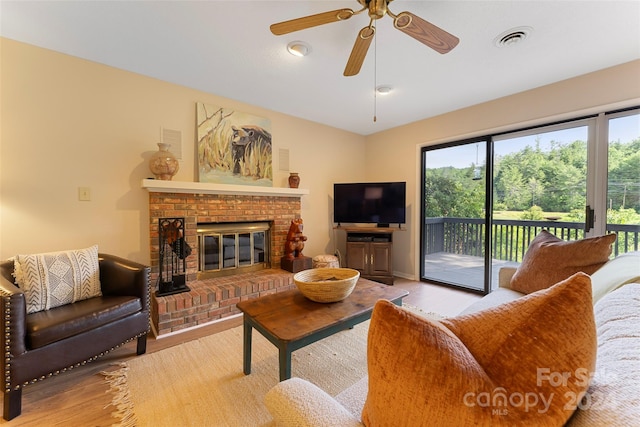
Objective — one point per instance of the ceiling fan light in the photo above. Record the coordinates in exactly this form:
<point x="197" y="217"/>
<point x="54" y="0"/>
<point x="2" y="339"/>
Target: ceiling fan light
<point x="298" y="48"/>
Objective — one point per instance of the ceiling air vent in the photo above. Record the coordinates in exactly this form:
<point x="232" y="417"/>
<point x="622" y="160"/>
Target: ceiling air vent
<point x="512" y="36"/>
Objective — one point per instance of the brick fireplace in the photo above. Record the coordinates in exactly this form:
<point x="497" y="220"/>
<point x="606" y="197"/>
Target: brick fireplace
<point x="214" y="298"/>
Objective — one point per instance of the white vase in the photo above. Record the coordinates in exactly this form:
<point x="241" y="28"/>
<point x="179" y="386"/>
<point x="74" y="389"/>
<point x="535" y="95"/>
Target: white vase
<point x="163" y="163"/>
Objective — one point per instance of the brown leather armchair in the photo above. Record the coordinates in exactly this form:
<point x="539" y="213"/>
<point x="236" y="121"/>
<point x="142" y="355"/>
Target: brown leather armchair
<point x="40" y="345"/>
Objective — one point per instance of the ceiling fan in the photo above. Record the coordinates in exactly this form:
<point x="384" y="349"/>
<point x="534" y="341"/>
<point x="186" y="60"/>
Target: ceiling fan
<point x="410" y="24"/>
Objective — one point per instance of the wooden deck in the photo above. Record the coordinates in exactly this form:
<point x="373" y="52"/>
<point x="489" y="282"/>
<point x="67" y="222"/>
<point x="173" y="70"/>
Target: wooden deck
<point x="462" y="270"/>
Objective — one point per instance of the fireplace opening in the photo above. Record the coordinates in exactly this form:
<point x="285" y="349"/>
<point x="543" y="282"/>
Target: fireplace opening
<point x="233" y="248"/>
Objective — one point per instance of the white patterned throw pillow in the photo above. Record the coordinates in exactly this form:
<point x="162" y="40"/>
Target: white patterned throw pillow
<point x="57" y="278"/>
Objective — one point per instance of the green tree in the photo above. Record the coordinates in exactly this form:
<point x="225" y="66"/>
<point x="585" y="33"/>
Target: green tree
<point x="623" y="216"/>
<point x="624" y="176"/>
<point x="534" y="213"/>
<point x="536" y="189"/>
<point x="565" y="187"/>
<point x="451" y="193"/>
<point x="511" y="189"/>
<point x="553" y="180"/>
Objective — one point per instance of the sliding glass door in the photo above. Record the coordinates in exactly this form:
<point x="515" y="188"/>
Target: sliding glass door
<point x="622" y="201"/>
<point x="484" y="200"/>
<point x="539" y="182"/>
<point x="455" y="215"/>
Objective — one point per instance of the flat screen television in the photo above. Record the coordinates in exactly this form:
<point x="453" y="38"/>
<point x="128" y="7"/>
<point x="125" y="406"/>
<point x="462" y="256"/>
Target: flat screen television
<point x="381" y="203"/>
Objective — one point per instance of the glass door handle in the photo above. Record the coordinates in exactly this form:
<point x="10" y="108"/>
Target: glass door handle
<point x="589" y="219"/>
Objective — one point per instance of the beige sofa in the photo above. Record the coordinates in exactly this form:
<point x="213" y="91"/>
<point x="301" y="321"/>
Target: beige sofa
<point x="613" y="397"/>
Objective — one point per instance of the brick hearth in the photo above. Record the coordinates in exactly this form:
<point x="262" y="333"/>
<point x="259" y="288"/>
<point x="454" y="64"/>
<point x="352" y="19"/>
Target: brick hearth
<point x="213" y="299"/>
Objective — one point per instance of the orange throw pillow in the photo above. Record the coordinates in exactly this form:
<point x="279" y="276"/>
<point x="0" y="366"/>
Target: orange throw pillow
<point x="526" y="362"/>
<point x="550" y="259"/>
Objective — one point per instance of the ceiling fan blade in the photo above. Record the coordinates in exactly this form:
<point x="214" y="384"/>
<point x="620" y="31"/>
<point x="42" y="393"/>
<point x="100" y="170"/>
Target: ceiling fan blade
<point x="425" y="32"/>
<point x="359" y="51"/>
<point x="298" y="24"/>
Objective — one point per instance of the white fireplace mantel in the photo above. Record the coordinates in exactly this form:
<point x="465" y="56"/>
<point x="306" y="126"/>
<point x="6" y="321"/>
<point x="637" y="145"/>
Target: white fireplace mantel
<point x="161" y="186"/>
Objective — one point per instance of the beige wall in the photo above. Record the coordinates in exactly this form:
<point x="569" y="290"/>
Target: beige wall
<point x="395" y="154"/>
<point x="69" y="123"/>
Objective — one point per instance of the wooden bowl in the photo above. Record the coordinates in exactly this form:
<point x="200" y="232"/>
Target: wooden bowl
<point x="326" y="284"/>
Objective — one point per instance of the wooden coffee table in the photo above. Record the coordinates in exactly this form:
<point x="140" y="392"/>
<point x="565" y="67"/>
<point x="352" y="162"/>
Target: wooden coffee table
<point x="290" y="321"/>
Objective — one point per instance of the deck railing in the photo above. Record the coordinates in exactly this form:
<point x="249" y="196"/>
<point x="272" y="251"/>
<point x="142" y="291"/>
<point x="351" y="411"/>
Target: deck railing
<point x="511" y="238"/>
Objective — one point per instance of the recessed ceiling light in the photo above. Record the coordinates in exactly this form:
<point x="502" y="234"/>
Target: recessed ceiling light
<point x="512" y="37"/>
<point x="384" y="90"/>
<point x="298" y="48"/>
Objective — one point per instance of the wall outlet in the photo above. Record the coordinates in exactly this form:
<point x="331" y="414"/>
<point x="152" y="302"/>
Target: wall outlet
<point x="84" y="194"/>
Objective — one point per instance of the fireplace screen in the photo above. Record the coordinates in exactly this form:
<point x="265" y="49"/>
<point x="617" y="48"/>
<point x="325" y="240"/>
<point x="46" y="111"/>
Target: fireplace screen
<point x="174" y="251"/>
<point x="229" y="247"/>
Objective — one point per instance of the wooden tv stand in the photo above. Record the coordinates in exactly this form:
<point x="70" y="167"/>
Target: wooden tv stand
<point x="370" y="251"/>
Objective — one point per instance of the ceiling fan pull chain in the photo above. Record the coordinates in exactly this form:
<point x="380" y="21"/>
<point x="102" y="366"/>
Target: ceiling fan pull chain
<point x="375" y="76"/>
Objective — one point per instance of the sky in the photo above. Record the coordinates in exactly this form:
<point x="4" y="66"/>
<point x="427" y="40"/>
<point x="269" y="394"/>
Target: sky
<point x="625" y="129"/>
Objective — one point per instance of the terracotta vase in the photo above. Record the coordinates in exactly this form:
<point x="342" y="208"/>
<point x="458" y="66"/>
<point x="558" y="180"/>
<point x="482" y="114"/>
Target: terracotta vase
<point x="163" y="163"/>
<point x="294" y="180"/>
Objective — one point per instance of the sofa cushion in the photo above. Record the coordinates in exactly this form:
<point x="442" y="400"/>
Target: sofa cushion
<point x="520" y="363"/>
<point x="296" y="402"/>
<point x="549" y="260"/>
<point x="496" y="297"/>
<point x="57" y="278"/>
<point x="613" y="398"/>
<point x="48" y="326"/>
<point x="353" y="397"/>
<point x="623" y="269"/>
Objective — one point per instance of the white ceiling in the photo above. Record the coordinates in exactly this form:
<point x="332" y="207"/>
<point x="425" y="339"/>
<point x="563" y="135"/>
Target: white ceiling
<point x="226" y="48"/>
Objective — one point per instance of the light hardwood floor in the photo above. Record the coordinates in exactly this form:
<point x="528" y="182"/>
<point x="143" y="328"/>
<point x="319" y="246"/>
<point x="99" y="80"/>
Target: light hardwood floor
<point x="80" y="397"/>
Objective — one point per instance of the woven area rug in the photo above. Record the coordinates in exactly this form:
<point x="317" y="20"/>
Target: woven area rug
<point x="201" y="383"/>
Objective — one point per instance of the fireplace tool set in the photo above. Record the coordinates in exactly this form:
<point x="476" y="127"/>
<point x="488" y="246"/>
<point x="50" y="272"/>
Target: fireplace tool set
<point x="173" y="253"/>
